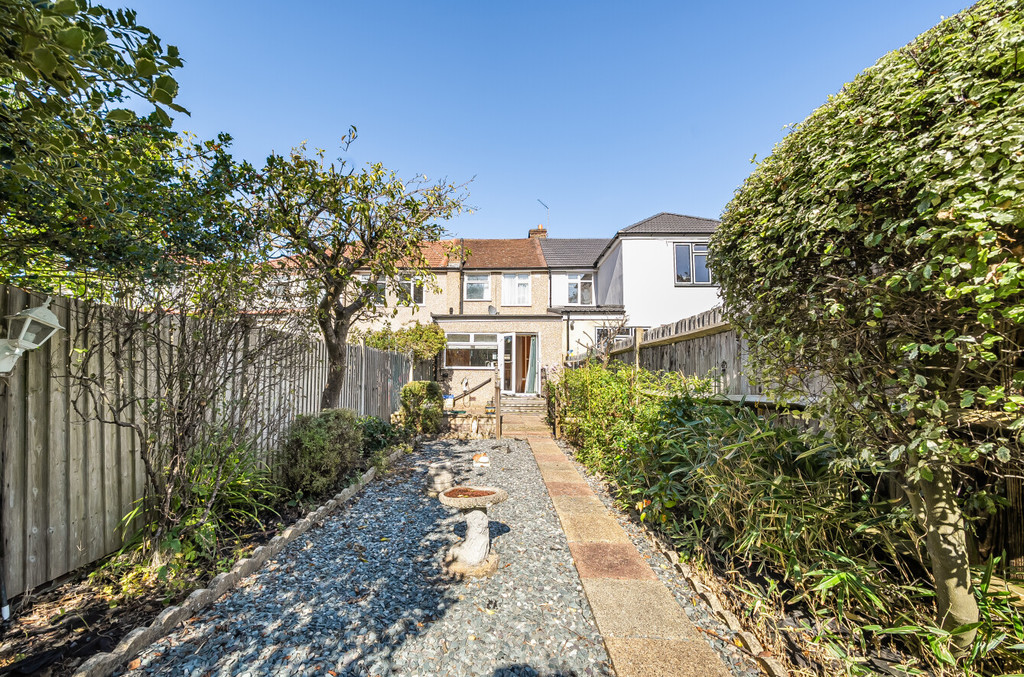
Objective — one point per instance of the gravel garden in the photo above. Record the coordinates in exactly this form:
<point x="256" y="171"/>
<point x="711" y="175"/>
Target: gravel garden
<point x="366" y="593"/>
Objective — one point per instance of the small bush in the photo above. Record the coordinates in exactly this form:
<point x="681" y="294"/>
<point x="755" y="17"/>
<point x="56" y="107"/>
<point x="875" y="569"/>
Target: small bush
<point x="423" y="406"/>
<point x="379" y="434"/>
<point x="320" y="449"/>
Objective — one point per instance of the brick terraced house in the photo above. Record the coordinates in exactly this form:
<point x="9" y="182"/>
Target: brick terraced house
<point x="527" y="304"/>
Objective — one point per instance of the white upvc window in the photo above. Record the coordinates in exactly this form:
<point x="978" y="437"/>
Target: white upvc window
<point x="379" y="298"/>
<point x="515" y="289"/>
<point x="471" y="351"/>
<point x="581" y="289"/>
<point x="691" y="262"/>
<point x="477" y="287"/>
<point x="411" y="288"/>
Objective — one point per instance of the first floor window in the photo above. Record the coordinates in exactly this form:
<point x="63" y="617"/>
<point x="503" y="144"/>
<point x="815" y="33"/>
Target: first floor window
<point x="380" y="295"/>
<point x="692" y="264"/>
<point x="411" y="288"/>
<point x="471" y="350"/>
<point x="478" y="287"/>
<point x="581" y="289"/>
<point x="515" y="289"/>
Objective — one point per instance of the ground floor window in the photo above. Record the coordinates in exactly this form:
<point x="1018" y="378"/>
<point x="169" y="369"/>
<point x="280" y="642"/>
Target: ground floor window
<point x="471" y="350"/>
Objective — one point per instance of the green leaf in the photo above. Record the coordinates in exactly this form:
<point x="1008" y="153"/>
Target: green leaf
<point x="44" y="59"/>
<point x="73" y="38"/>
<point x="120" y="115"/>
<point x="146" y="68"/>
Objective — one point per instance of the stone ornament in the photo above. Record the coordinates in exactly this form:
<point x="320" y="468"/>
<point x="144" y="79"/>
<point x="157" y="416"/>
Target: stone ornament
<point x="473" y="556"/>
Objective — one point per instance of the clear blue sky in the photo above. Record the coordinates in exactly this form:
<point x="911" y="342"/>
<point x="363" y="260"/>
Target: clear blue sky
<point x="607" y="111"/>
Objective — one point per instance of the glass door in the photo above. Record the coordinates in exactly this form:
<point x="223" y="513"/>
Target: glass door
<point x="506" y="357"/>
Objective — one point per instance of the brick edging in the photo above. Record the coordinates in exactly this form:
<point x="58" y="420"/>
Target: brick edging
<point x="132" y="644"/>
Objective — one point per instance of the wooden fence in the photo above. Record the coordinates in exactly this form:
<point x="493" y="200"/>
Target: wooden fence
<point x="68" y="481"/>
<point x="703" y="345"/>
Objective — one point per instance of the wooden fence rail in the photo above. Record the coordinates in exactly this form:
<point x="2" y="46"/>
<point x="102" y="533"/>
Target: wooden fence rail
<point x="67" y="480"/>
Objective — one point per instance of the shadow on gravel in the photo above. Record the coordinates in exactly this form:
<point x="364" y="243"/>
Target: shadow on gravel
<point x="343" y="598"/>
<point x="521" y="670"/>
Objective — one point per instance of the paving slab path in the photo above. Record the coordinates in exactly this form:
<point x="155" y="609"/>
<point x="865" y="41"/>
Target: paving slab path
<point x="645" y="630"/>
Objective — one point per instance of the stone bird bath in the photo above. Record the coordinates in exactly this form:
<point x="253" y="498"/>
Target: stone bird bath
<point x="473" y="556"/>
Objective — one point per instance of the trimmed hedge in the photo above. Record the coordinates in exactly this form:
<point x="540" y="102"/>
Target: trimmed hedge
<point x="320" y="449"/>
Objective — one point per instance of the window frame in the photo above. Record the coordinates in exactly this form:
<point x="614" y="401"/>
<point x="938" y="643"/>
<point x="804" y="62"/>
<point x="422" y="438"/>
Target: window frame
<point x="381" y="298"/>
<point x="411" y="284"/>
<point x="471" y="345"/>
<point x="465" y="286"/>
<point x="579" y="290"/>
<point x="529" y="289"/>
<point x="691" y="245"/>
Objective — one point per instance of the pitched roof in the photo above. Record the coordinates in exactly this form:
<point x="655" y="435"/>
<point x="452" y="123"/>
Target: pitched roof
<point x="572" y="252"/>
<point x="498" y="254"/>
<point x="666" y="222"/>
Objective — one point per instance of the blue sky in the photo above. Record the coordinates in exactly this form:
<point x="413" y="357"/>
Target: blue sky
<point x="607" y="111"/>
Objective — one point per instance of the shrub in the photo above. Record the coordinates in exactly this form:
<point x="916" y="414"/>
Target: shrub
<point x="320" y="449"/>
<point x="879" y="249"/>
<point x="423" y="406"/>
<point x="765" y="497"/>
<point x="423" y="341"/>
<point x="379" y="434"/>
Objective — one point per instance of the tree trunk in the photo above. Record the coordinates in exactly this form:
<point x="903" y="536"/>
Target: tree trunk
<point x="947" y="549"/>
<point x="335" y="378"/>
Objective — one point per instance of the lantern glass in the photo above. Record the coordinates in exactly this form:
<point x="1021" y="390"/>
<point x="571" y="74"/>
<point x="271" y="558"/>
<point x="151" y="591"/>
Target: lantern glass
<point x="37" y="333"/>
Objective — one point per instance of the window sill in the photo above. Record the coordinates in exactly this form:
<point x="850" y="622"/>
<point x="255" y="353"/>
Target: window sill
<point x="695" y="284"/>
<point x="470" y="368"/>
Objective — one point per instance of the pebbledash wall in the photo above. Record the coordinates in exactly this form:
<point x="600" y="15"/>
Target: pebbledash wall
<point x="68" y="481"/>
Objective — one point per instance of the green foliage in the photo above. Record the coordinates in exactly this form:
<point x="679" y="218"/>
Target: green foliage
<point x="379" y="434"/>
<point x="423" y="341"/>
<point x="70" y="164"/>
<point x="346" y="230"/>
<point x="423" y="406"/>
<point x="874" y="261"/>
<point x="320" y="449"/>
<point x="227" y="489"/>
<point x="764" y="497"/>
<point x="610" y="411"/>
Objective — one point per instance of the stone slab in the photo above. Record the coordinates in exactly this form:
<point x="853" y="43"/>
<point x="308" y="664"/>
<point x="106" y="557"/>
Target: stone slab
<point x="637" y="609"/>
<point x="664" y="658"/>
<point x="569" y="489"/>
<point x="550" y="457"/>
<point x="587" y="504"/>
<point x="560" y="474"/>
<point x="610" y="560"/>
<point x="592" y="528"/>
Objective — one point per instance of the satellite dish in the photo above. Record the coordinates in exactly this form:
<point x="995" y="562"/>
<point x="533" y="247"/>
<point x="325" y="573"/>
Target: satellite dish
<point x="491" y="310"/>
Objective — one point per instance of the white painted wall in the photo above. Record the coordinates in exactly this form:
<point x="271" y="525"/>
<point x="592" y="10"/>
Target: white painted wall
<point x="649" y="293"/>
<point x="609" y="277"/>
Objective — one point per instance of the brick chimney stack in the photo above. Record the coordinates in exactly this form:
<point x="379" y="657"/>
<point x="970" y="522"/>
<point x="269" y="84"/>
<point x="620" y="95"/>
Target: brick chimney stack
<point x="539" y="231"/>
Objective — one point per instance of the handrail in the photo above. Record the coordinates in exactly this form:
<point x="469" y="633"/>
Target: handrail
<point x="469" y="392"/>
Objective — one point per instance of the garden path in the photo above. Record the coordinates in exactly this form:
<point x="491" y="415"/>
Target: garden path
<point x="645" y="630"/>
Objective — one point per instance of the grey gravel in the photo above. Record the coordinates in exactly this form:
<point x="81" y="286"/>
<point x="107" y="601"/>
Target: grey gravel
<point x="365" y="594"/>
<point x="740" y="663"/>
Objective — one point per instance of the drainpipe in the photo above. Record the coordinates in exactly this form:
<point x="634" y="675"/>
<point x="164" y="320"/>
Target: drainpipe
<point x="568" y="320"/>
<point x="462" y="264"/>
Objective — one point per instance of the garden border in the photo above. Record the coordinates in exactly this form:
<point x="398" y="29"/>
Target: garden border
<point x="132" y="644"/>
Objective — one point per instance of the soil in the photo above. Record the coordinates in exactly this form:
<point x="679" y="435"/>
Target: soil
<point x="462" y="492"/>
<point x="55" y="629"/>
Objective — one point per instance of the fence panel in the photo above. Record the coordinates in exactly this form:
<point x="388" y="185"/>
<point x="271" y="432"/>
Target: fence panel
<point x="67" y="480"/>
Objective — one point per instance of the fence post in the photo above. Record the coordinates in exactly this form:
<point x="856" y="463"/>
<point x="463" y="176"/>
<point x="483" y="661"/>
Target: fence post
<point x="362" y="377"/>
<point x="497" y="403"/>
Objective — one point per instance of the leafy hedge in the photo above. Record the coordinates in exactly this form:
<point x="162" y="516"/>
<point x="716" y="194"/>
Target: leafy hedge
<point x="423" y="406"/>
<point x="878" y="250"/>
<point x="770" y="499"/>
<point x="320" y="449"/>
